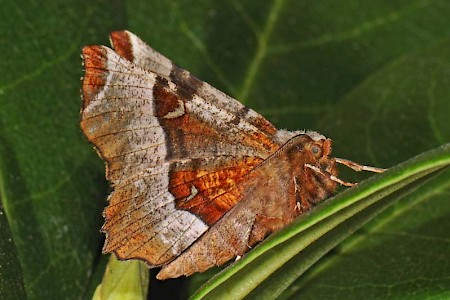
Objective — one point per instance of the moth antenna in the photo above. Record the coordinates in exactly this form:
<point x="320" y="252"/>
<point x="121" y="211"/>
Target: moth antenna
<point x="330" y="176"/>
<point x="357" y="167"/>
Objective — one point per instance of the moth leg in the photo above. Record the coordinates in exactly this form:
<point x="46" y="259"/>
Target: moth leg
<point x="357" y="167"/>
<point x="298" y="204"/>
<point x="330" y="176"/>
<point x="302" y="202"/>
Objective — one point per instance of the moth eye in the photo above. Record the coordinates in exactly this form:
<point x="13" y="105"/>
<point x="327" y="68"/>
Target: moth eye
<point x="316" y="150"/>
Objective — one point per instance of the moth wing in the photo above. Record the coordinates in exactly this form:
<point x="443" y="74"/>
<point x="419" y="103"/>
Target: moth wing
<point x="172" y="156"/>
<point x="131" y="47"/>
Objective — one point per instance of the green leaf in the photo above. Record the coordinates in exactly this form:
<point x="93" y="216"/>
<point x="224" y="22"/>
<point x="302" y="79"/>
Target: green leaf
<point x="11" y="281"/>
<point x="371" y="75"/>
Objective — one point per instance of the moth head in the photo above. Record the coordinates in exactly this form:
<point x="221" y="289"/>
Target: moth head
<point x="309" y="155"/>
<point x="312" y="168"/>
<point x="318" y="148"/>
<point x="311" y="149"/>
<point x="321" y="163"/>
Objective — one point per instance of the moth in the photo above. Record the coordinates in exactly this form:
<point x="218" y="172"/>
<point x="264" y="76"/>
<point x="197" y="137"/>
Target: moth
<point x="197" y="177"/>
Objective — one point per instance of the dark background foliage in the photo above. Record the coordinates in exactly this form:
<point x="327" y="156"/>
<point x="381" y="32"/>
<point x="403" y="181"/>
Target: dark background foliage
<point x="372" y="75"/>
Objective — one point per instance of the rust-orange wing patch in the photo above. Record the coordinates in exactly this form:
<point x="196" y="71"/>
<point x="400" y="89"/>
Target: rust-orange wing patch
<point x="210" y="194"/>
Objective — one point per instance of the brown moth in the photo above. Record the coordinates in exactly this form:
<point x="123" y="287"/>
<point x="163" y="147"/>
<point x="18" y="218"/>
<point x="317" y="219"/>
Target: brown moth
<point x="198" y="178"/>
